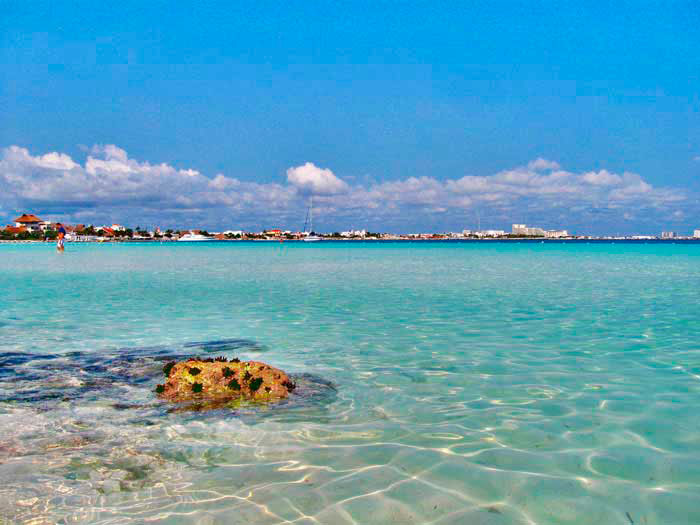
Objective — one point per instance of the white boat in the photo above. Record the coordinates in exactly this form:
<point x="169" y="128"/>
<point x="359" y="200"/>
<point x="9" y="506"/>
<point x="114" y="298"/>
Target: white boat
<point x="310" y="237"/>
<point x="193" y="237"/>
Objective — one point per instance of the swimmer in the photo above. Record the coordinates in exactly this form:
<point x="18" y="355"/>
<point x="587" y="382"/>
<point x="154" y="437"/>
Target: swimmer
<point x="61" y="235"/>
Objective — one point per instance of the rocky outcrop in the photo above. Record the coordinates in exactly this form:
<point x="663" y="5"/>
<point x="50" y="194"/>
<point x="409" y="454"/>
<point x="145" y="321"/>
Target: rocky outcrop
<point x="220" y="380"/>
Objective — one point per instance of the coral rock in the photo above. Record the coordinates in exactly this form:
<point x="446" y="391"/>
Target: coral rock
<point x="219" y="380"/>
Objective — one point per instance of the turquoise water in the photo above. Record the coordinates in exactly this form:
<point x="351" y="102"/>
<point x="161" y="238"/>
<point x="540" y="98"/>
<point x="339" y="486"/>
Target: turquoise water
<point x="483" y="383"/>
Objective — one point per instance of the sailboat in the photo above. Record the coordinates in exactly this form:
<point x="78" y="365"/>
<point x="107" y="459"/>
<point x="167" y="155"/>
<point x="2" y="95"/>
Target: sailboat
<point x="310" y="237"/>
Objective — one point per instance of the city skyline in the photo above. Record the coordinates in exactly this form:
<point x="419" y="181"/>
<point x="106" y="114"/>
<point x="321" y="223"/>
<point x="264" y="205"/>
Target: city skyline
<point x="28" y="226"/>
<point x="399" y="117"/>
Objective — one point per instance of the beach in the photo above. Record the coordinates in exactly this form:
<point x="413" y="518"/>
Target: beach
<point x="439" y="382"/>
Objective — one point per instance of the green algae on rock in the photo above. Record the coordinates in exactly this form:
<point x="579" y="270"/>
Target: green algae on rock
<point x="220" y="379"/>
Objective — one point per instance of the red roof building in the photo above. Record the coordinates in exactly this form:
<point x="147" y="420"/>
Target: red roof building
<point x="14" y="230"/>
<point x="28" y="218"/>
<point x="31" y="222"/>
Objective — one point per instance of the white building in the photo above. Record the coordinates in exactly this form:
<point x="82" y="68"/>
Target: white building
<point x="556" y="234"/>
<point x="46" y="225"/>
<point x="696" y="234"/>
<point x="490" y="233"/>
<point x="522" y="229"/>
<point x="354" y="233"/>
<point x="668" y="235"/>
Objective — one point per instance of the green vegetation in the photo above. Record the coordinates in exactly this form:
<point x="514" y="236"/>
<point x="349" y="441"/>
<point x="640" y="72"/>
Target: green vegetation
<point x="168" y="367"/>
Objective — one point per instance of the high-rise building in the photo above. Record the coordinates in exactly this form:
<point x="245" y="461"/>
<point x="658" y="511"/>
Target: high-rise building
<point x="696" y="234"/>
<point x="522" y="229"/>
<point x="668" y="235"/>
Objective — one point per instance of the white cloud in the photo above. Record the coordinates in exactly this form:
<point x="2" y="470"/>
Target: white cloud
<point x="49" y="161"/>
<point x="601" y="178"/>
<point x="112" y="185"/>
<point x="221" y="182"/>
<point x="541" y="164"/>
<point x="309" y="178"/>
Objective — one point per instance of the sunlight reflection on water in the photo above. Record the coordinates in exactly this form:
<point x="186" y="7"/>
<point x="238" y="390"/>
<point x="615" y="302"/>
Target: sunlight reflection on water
<point x="441" y="383"/>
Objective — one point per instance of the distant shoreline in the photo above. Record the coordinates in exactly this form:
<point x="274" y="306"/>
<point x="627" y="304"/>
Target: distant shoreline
<point x="588" y="240"/>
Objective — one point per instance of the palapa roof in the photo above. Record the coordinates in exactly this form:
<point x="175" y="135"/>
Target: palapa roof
<point x="28" y="218"/>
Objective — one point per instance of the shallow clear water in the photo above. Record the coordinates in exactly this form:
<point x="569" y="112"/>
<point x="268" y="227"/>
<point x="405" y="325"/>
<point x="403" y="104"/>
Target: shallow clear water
<point x="488" y="383"/>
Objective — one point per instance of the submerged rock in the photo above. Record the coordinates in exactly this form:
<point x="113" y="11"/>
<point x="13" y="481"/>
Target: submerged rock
<point x="220" y="379"/>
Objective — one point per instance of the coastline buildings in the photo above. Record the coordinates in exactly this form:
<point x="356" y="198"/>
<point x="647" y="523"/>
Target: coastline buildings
<point x="556" y="234"/>
<point x="522" y="229"/>
<point x="354" y="233"/>
<point x="29" y="227"/>
<point x="490" y="233"/>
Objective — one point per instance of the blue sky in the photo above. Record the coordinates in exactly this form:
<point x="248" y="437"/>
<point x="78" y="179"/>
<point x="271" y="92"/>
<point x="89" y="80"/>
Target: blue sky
<point x="413" y="116"/>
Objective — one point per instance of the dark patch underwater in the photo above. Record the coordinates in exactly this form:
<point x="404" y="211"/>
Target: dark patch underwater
<point x="43" y="381"/>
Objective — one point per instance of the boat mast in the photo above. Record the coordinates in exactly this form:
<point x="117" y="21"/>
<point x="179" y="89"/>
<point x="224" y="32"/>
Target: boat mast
<point x="311" y="215"/>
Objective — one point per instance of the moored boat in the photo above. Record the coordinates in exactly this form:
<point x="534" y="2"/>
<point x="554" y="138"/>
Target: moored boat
<point x="193" y="237"/>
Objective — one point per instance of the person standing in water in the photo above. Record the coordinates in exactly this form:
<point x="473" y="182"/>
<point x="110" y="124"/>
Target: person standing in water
<point x="61" y="236"/>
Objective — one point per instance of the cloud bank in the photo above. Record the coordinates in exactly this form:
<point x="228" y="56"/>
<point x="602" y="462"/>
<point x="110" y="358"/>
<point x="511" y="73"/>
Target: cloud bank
<point x="112" y="186"/>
